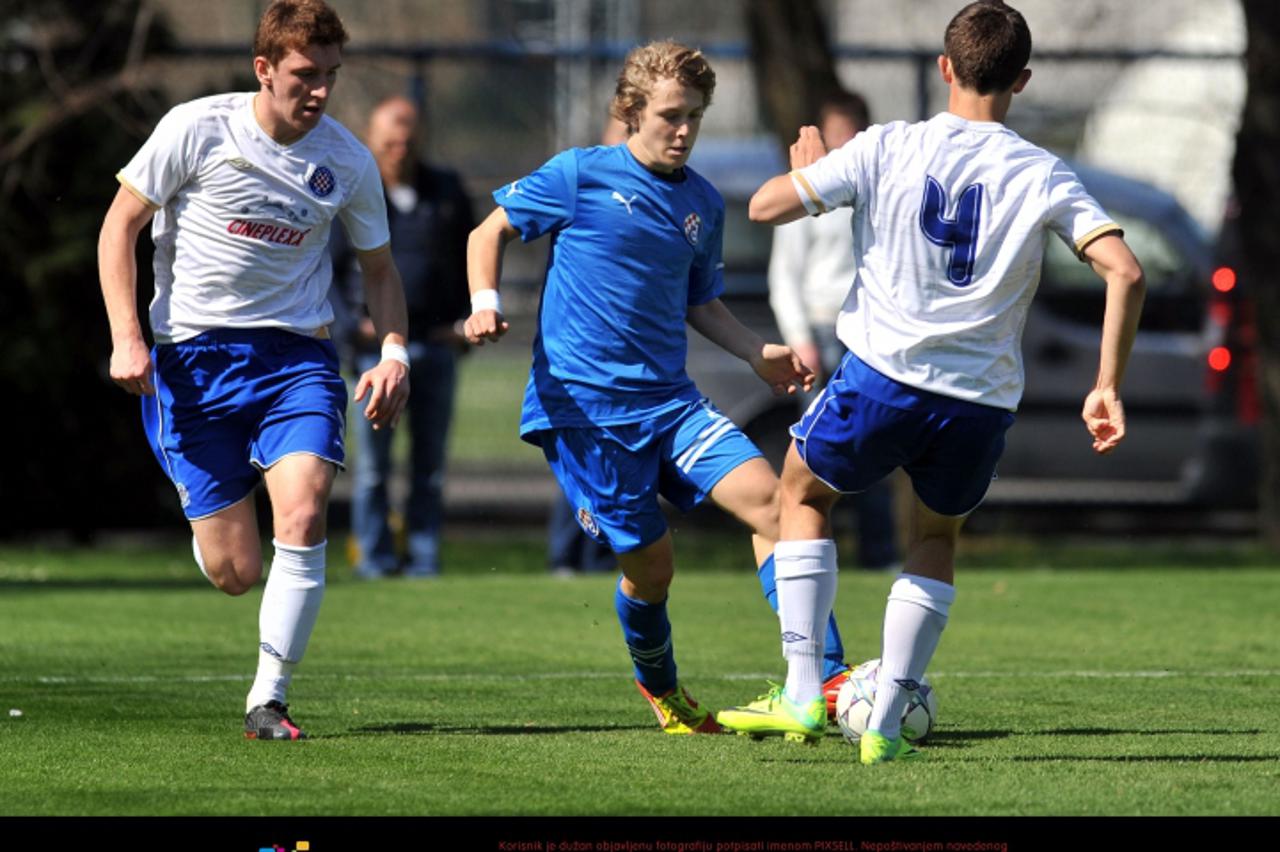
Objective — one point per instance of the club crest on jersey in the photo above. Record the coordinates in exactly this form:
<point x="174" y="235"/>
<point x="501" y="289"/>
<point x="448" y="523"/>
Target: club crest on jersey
<point x="588" y="523"/>
<point x="322" y="181"/>
<point x="692" y="227"/>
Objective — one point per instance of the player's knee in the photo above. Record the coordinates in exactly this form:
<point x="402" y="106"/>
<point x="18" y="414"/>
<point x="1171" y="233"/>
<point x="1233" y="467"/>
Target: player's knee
<point x="650" y="578"/>
<point x="232" y="586"/>
<point x="234" y="576"/>
<point x="765" y="513"/>
<point x="302" y="524"/>
<point x="653" y="587"/>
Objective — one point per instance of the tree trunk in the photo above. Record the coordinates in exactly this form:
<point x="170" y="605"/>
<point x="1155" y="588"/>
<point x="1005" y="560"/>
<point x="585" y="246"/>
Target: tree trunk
<point x="792" y="62"/>
<point x="1257" y="182"/>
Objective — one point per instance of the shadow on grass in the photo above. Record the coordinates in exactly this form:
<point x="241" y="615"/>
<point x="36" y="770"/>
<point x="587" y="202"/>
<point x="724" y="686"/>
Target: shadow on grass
<point x="1142" y="758"/>
<point x="414" y="728"/>
<point x="1111" y="732"/>
<point x="90" y="584"/>
<point x="945" y="737"/>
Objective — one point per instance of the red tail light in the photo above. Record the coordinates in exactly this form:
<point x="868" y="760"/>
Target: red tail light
<point x="1224" y="279"/>
<point x="1219" y="358"/>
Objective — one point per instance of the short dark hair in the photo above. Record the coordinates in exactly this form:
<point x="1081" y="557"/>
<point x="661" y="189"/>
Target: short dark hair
<point x="849" y="104"/>
<point x="989" y="44"/>
<point x="295" y="25"/>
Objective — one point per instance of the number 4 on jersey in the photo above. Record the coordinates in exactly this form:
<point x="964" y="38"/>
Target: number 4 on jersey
<point x="959" y="234"/>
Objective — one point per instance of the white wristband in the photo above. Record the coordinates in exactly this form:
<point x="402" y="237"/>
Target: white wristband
<point x="486" y="300"/>
<point x="395" y="352"/>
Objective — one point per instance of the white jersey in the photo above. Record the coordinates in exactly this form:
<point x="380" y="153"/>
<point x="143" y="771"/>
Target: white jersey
<point x="242" y="223"/>
<point x="950" y="219"/>
<point x="811" y="269"/>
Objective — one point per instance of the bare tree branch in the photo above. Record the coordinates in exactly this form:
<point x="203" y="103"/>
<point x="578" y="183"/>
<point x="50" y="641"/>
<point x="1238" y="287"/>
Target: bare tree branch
<point x="74" y="103"/>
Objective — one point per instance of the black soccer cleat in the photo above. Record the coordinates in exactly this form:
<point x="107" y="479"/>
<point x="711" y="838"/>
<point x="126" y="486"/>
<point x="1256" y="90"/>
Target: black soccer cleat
<point x="271" y="721"/>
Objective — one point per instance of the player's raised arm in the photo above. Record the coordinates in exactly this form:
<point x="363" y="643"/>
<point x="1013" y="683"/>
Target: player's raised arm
<point x="484" y="270"/>
<point x="1103" y="412"/>
<point x="778" y="201"/>
<point x="777" y="365"/>
<point x="387" y="384"/>
<point x="118" y="275"/>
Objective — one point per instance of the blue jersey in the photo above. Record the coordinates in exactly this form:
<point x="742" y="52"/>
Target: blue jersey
<point x="631" y="251"/>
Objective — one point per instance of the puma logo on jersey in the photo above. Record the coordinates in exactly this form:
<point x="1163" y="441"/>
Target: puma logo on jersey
<point x="626" y="202"/>
<point x="513" y="189"/>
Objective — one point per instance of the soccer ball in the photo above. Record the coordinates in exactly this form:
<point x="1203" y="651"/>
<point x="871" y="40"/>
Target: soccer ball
<point x="858" y="694"/>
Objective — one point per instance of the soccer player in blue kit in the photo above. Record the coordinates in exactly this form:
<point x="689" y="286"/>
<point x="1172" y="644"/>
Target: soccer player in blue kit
<point x="243" y="385"/>
<point x="950" y="220"/>
<point x="635" y="254"/>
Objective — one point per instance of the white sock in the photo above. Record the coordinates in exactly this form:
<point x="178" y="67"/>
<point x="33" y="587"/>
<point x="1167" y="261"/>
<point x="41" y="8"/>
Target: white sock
<point x="290" y="604"/>
<point x="195" y="551"/>
<point x="806" y="576"/>
<point x="914" y="619"/>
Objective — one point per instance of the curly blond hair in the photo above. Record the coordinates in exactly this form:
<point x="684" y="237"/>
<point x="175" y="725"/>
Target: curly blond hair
<point x="652" y="63"/>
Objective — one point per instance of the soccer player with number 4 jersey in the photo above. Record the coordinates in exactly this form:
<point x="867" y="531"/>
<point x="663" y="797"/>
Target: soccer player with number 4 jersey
<point x="243" y="384"/>
<point x="635" y="254"/>
<point x="950" y="219"/>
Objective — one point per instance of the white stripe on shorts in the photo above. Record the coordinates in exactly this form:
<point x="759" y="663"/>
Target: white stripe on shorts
<point x="715" y="436"/>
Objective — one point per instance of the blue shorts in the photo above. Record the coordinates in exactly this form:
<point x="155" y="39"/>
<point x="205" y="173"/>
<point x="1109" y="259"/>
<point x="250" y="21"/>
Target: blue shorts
<point x="230" y="403"/>
<point x="864" y="425"/>
<point x="613" y="475"/>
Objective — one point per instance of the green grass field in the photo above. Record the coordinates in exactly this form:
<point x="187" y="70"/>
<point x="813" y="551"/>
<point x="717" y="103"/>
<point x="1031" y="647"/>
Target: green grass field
<point x="1072" y="681"/>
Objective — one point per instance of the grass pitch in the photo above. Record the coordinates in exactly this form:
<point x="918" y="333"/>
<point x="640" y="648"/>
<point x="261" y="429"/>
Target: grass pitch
<point x="1071" y="681"/>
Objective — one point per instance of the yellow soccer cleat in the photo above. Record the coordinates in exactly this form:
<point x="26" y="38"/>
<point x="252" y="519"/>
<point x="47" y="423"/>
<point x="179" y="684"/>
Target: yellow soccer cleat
<point x="678" y="713"/>
<point x="773" y="714"/>
<point x="875" y="748"/>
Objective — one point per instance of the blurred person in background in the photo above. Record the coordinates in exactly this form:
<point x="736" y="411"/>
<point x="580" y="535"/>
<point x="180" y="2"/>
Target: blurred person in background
<point x="430" y="216"/>
<point x="810" y="271"/>
<point x="243" y="384"/>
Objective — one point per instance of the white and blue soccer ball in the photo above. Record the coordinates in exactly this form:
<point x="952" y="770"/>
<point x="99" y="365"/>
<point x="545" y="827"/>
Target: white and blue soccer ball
<point x="858" y="695"/>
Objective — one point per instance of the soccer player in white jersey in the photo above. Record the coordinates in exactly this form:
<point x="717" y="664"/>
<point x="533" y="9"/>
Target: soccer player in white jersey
<point x="950" y="220"/>
<point x="243" y="383"/>
<point x="636" y="247"/>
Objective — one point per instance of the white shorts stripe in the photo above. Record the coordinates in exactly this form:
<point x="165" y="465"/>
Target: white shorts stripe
<point x="717" y="421"/>
<point x="706" y="445"/>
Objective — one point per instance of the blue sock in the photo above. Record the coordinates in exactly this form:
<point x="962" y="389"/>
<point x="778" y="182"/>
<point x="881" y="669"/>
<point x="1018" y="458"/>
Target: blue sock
<point x="647" y="632"/>
<point x="833" y="651"/>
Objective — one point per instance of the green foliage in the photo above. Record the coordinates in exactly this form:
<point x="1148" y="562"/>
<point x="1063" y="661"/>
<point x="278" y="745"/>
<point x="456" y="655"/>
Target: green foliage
<point x="1131" y="691"/>
<point x="68" y="125"/>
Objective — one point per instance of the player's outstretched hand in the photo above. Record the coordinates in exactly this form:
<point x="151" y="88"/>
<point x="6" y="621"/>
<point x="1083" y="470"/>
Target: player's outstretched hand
<point x="387" y="386"/>
<point x="1104" y="418"/>
<point x="808" y="148"/>
<point x="483" y="326"/>
<point x="782" y="369"/>
<point x="131" y="367"/>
